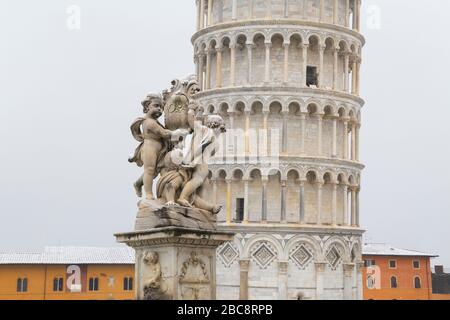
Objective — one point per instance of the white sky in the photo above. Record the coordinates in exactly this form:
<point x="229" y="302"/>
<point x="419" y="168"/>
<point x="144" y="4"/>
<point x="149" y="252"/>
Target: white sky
<point x="67" y="99"/>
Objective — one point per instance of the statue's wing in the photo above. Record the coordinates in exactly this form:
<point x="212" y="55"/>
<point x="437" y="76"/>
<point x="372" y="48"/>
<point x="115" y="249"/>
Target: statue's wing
<point x="136" y="129"/>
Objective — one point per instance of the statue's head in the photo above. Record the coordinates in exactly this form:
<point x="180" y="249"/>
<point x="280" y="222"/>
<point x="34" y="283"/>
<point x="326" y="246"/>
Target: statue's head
<point x="216" y="122"/>
<point x="151" y="257"/>
<point x="153" y="105"/>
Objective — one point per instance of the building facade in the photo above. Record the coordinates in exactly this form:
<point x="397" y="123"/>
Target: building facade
<point x="441" y="283"/>
<point x="285" y="74"/>
<point x="397" y="274"/>
<point x="68" y="274"/>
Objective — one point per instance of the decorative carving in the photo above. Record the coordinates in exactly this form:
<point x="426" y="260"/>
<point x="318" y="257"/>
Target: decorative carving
<point x="152" y="279"/>
<point x="264" y="255"/>
<point x="228" y="254"/>
<point x="194" y="279"/>
<point x="301" y="256"/>
<point x="334" y="257"/>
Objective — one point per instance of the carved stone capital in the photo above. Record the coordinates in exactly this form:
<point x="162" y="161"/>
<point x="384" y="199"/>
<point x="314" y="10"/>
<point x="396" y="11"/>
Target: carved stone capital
<point x="244" y="265"/>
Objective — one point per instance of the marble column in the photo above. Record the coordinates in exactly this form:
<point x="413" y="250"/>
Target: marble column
<point x="346" y="219"/>
<point x="250" y="62"/>
<point x="210" y="12"/>
<point x="246" y="201"/>
<point x="263" y="150"/>
<point x="208" y="69"/>
<point x="346" y="72"/>
<point x="321" y="68"/>
<point x="202" y="14"/>
<point x="232" y="151"/>
<point x="358" y="15"/>
<point x="305" y="47"/>
<point x="319" y="135"/>
<point x="286" y="63"/>
<point x="303" y="134"/>
<point x="319" y="202"/>
<point x="268" y="46"/>
<point x="359" y="281"/>
<point x="201" y="67"/>
<point x="358" y="68"/>
<point x="265" y="180"/>
<point x="355" y="15"/>
<point x="285" y="136"/>
<point x="232" y="64"/>
<point x="244" y="266"/>
<point x="334" y="203"/>
<point x="229" y="203"/>
<point x="335" y="69"/>
<point x="286" y="8"/>
<point x="219" y="51"/>
<point x="234" y="10"/>
<point x="357" y="222"/>
<point x="349" y="269"/>
<point x="302" y="202"/>
<point x="283" y="201"/>
<point x="283" y="280"/>
<point x="357" y="126"/>
<point x="322" y="10"/>
<point x="353" y="125"/>
<point x="353" y="220"/>
<point x="320" y="270"/>
<point x="346" y="140"/>
<point x="347" y="12"/>
<point x="334" y="147"/>
<point x="336" y="12"/>
<point x="305" y="5"/>
<point x="214" y="183"/>
<point x="354" y="77"/>
<point x="198" y="14"/>
<point x="247" y="133"/>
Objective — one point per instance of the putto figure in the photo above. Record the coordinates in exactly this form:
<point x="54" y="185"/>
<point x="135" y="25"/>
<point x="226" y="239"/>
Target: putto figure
<point x="182" y="175"/>
<point x="154" y="141"/>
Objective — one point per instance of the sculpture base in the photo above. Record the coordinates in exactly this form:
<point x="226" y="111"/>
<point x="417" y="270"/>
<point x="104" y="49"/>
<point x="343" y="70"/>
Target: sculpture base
<point x="175" y="263"/>
<point x="152" y="215"/>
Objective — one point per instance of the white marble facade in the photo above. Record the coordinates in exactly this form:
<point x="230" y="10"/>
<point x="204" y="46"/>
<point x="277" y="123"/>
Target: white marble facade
<point x="286" y="71"/>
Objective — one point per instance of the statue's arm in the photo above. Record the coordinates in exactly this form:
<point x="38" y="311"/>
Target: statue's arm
<point x="158" y="130"/>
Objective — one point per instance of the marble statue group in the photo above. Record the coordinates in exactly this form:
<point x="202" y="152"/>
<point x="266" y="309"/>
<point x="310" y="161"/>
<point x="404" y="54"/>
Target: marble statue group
<point x="176" y="152"/>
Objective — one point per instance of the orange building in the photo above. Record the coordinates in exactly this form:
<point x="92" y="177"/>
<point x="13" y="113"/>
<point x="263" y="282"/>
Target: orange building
<point x="68" y="274"/>
<point x="396" y="274"/>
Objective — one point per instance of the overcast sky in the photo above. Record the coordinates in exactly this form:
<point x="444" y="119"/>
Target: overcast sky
<point x="67" y="98"/>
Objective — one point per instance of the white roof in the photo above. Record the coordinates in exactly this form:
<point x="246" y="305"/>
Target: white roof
<point x="382" y="249"/>
<point x="70" y="255"/>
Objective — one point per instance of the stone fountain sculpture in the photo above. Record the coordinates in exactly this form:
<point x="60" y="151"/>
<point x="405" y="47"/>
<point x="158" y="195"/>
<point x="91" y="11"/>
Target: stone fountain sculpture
<point x="175" y="236"/>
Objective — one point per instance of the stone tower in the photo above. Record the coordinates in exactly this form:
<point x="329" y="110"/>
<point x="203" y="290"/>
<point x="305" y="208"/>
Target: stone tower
<point x="284" y="74"/>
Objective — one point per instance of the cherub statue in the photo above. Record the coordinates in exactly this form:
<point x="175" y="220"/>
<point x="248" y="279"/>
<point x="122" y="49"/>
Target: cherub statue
<point x="204" y="146"/>
<point x="154" y="141"/>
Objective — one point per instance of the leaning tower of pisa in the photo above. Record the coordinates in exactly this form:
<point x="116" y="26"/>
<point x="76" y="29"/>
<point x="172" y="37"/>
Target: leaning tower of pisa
<point x="284" y="74"/>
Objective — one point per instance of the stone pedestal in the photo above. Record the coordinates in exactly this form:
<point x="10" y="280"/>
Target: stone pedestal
<point x="175" y="263"/>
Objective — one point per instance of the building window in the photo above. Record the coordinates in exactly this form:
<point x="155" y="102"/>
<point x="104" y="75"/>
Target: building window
<point x="128" y="284"/>
<point x="417" y="283"/>
<point x="93" y="284"/>
<point x="394" y="283"/>
<point x="416" y="264"/>
<point x="240" y="210"/>
<point x="22" y="285"/>
<point x="311" y="76"/>
<point x="369" y="263"/>
<point x="58" y="284"/>
<point x="392" y="264"/>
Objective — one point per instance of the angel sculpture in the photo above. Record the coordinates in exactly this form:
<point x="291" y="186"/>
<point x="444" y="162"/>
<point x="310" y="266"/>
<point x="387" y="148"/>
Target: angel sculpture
<point x="161" y="150"/>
